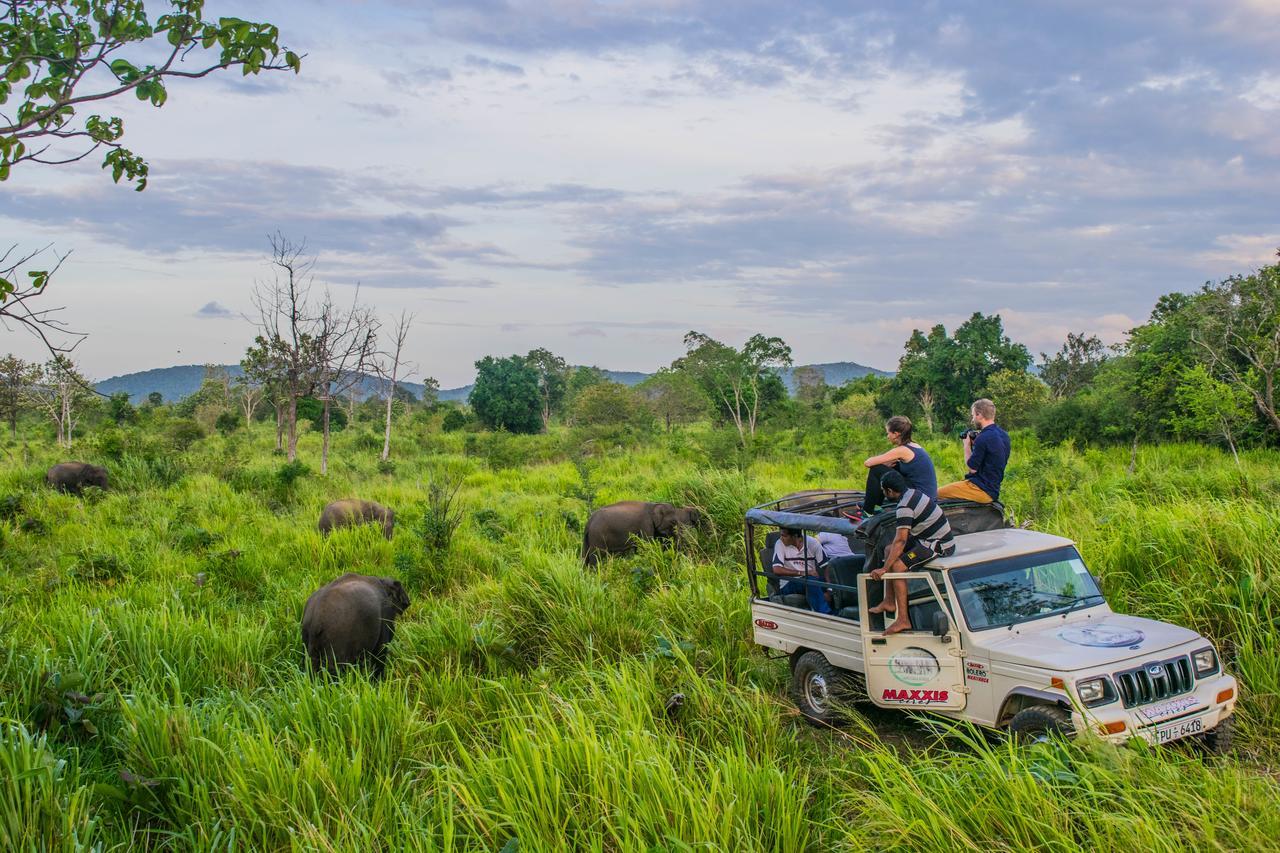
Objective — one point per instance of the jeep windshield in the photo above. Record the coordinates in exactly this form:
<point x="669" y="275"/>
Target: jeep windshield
<point x="1030" y="586"/>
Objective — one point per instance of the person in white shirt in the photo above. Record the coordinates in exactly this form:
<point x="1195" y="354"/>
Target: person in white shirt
<point x="801" y="558"/>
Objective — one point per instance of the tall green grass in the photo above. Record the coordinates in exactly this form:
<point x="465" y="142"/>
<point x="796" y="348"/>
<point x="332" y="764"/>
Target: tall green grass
<point x="152" y="695"/>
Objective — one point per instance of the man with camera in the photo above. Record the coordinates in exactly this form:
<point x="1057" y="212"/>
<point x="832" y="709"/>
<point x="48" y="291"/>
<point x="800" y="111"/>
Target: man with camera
<point x="986" y="453"/>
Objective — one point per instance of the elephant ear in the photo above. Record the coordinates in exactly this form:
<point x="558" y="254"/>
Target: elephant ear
<point x="665" y="519"/>
<point x="396" y="595"/>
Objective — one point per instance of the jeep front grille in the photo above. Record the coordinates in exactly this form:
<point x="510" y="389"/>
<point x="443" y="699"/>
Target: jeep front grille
<point x="1154" y="681"/>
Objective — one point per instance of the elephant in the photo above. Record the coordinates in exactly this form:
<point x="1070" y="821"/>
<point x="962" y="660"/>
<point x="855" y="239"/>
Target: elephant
<point x="349" y="621"/>
<point x="352" y="511"/>
<point x="610" y="528"/>
<point x="72" y="477"/>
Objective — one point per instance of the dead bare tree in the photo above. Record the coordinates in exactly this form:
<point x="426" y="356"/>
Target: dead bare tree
<point x="927" y="403"/>
<point x="289" y="322"/>
<point x="392" y="369"/>
<point x="60" y="391"/>
<point x="345" y="345"/>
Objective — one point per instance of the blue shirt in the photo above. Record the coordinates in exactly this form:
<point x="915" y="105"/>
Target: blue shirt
<point x="989" y="456"/>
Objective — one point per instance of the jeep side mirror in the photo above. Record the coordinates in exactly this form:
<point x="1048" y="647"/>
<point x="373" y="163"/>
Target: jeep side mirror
<point x="941" y="624"/>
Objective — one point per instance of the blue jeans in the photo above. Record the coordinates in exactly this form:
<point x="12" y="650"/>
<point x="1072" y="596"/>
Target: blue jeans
<point x="812" y="592"/>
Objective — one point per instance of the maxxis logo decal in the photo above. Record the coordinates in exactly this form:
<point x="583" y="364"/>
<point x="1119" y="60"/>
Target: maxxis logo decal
<point x="767" y="624"/>
<point x="914" y="697"/>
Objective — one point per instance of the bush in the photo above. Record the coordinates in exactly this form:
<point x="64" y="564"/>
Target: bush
<point x="611" y="404"/>
<point x="227" y="422"/>
<point x="454" y="420"/>
<point x="311" y="409"/>
<point x="184" y="433"/>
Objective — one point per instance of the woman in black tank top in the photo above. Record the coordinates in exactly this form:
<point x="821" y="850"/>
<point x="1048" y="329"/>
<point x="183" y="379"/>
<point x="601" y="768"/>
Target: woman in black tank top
<point x="908" y="458"/>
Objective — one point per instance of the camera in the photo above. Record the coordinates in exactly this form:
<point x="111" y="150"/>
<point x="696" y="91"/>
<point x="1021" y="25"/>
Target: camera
<point x="971" y="434"/>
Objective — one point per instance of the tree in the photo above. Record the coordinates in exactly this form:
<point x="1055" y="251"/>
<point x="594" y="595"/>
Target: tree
<point x="610" y="404"/>
<point x="155" y="399"/>
<point x="20" y="287"/>
<point x="65" y="54"/>
<point x="580" y="379"/>
<point x="120" y="410"/>
<point x="738" y="381"/>
<point x="16" y="377"/>
<point x="344" y="345"/>
<point x="57" y="57"/>
<point x="391" y="368"/>
<point x="1018" y="396"/>
<point x="263" y="367"/>
<point x="249" y="391"/>
<point x="505" y="395"/>
<point x="674" y="397"/>
<point x="1072" y="368"/>
<point x="1239" y="336"/>
<point x="62" y="393"/>
<point x="954" y="369"/>
<point x="289" y="323"/>
<point x="1208" y="407"/>
<point x="552" y="383"/>
<point x="811" y="385"/>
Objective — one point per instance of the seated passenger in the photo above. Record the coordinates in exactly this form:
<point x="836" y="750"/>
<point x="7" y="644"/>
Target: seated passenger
<point x="985" y="455"/>
<point x="801" y="557"/>
<point x="906" y="456"/>
<point x="923" y="533"/>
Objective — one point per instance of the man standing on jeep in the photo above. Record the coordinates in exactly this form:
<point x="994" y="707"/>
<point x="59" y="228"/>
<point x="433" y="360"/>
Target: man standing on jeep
<point x="923" y="533"/>
<point x="986" y="453"/>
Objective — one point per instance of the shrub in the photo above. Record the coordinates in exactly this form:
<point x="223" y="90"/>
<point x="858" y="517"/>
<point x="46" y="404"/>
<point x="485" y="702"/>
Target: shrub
<point x="611" y="404"/>
<point x="441" y="516"/>
<point x="184" y="433"/>
<point x="227" y="422"/>
<point x="454" y="420"/>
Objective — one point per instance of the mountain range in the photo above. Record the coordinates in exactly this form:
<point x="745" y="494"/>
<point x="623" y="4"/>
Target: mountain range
<point x="180" y="381"/>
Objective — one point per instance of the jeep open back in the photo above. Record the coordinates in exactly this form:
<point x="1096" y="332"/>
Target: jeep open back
<point x="1009" y="632"/>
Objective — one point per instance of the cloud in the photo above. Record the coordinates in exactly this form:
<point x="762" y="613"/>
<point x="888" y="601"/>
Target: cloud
<point x="587" y="332"/>
<point x="215" y="310"/>
<point x="483" y="63"/>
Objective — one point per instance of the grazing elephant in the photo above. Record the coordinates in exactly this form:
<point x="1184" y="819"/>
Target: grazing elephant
<point x="350" y="621"/>
<point x="72" y="477"/>
<point x="610" y="528"/>
<point x="350" y="512"/>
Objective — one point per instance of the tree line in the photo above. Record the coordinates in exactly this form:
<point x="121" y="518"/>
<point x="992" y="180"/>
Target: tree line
<point x="1203" y="366"/>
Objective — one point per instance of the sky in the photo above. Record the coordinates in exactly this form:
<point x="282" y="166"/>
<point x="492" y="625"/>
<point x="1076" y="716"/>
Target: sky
<point x="601" y="177"/>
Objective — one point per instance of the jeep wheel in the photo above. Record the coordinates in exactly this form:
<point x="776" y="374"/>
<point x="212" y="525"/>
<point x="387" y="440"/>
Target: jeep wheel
<point x="818" y="688"/>
<point x="1218" y="740"/>
<point x="1039" y="723"/>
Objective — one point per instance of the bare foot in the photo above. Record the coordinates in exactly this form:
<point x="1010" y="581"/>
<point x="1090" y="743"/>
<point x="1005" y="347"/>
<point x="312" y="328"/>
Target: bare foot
<point x="898" y="626"/>
<point x="881" y="608"/>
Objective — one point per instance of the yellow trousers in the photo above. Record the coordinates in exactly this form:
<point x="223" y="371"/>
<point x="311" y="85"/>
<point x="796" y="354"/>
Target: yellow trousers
<point x="963" y="490"/>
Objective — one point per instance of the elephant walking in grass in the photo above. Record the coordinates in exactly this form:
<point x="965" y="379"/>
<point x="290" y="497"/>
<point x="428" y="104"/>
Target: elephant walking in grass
<point x="610" y="528"/>
<point x="350" y="512"/>
<point x="350" y="621"/>
<point x="72" y="477"/>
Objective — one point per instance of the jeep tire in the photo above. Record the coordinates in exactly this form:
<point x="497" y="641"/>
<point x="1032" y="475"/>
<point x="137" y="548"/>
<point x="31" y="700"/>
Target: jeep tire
<point x="1218" y="740"/>
<point x="1039" y="723"/>
<point x="819" y="689"/>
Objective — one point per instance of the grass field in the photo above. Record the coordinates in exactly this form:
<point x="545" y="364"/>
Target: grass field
<point x="152" y="696"/>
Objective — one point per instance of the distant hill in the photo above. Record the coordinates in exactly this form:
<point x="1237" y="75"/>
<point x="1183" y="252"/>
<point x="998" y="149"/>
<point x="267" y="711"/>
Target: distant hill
<point x="175" y="383"/>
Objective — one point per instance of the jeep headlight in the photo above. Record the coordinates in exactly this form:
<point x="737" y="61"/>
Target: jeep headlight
<point x="1205" y="662"/>
<point x="1095" y="691"/>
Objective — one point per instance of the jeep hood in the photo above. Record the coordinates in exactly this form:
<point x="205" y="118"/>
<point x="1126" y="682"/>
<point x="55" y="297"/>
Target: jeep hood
<point x="1082" y="641"/>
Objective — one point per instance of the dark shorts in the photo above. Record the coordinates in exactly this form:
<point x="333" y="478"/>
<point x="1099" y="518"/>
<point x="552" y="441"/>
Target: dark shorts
<point x="918" y="553"/>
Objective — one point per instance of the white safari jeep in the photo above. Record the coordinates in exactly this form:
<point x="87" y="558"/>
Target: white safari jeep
<point x="1010" y="632"/>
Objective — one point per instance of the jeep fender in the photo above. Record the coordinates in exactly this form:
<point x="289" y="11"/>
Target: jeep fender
<point x="1024" y="697"/>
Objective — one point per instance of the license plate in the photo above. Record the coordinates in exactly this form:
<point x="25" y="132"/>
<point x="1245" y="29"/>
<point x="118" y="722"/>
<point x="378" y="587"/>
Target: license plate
<point x="1180" y="729"/>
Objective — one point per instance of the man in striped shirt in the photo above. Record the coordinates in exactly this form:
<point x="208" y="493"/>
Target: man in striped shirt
<point x="923" y="533"/>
